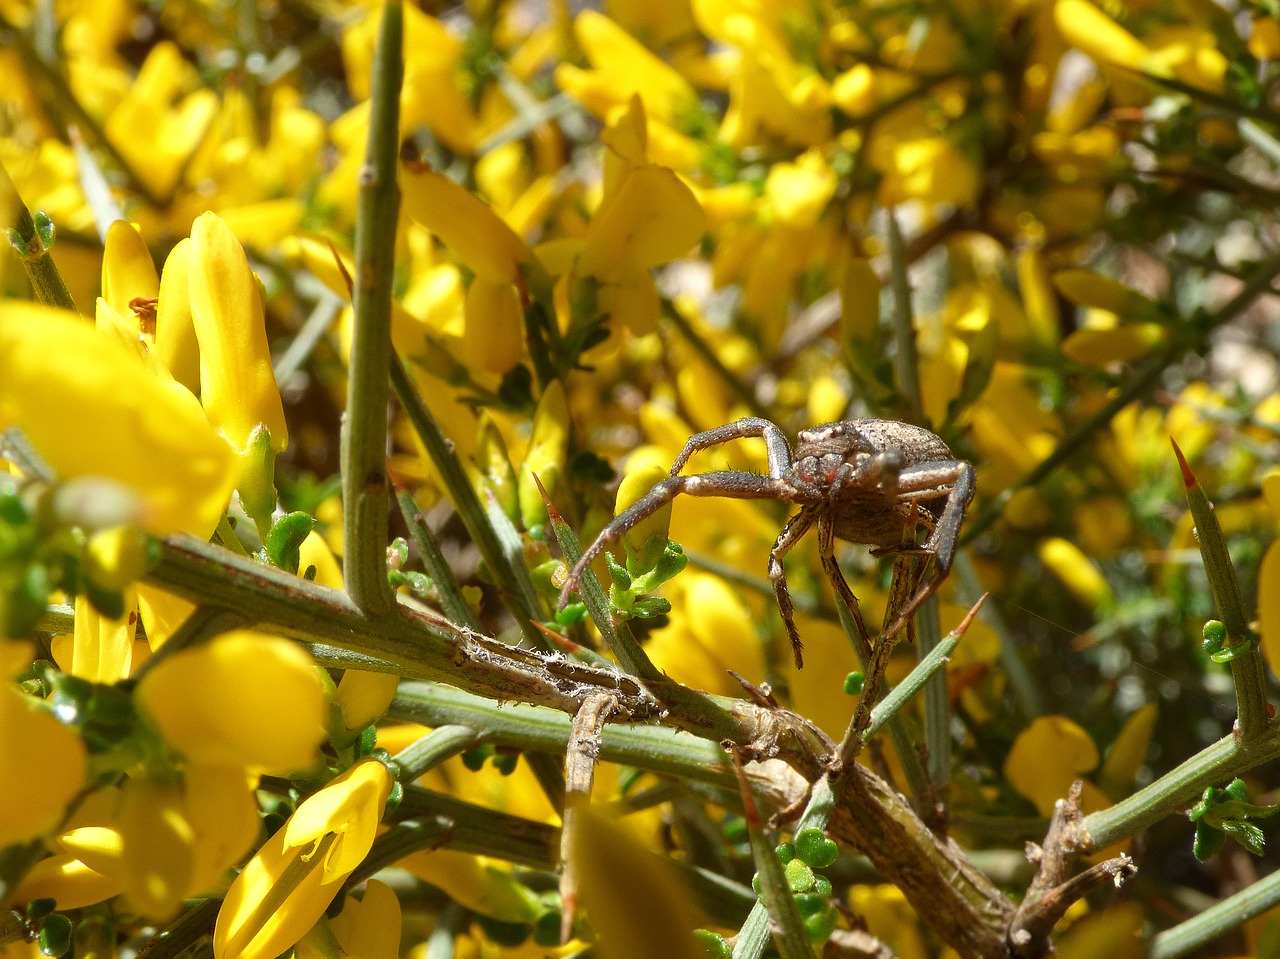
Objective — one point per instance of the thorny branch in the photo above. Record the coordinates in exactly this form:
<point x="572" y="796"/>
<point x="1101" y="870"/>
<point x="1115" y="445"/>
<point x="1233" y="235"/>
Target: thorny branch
<point x="946" y="889"/>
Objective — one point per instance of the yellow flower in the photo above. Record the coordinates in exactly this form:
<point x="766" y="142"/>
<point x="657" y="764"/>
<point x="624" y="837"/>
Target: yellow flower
<point x="493" y="337"/>
<point x="237" y="387"/>
<point x="100" y="648"/>
<point x="476" y="883"/>
<point x="291" y="880"/>
<point x="548" y="448"/>
<point x="203" y="707"/>
<point x="367" y="928"/>
<point x="623" y="68"/>
<point x="93" y="408"/>
<point x="648" y="538"/>
<point x="1269" y="579"/>
<point x="42" y="762"/>
<point x="1047" y="757"/>
<point x="156" y="127"/>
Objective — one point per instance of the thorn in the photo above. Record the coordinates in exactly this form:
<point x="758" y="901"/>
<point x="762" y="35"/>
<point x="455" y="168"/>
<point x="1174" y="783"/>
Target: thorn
<point x="968" y="617"/>
<point x="564" y="642"/>
<point x="1188" y="477"/>
<point x="750" y="811"/>
<point x="553" y="514"/>
<point x="342" y="268"/>
<point x="762" y="695"/>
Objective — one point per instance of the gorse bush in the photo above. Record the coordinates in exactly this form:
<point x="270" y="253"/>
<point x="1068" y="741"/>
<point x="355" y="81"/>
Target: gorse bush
<point x="334" y="335"/>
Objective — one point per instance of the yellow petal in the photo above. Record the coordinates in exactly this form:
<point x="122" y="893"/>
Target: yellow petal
<point x="42" y="766"/>
<point x="223" y="813"/>
<point x="159" y="846"/>
<point x="1128" y="751"/>
<point x="1087" y="288"/>
<point x="93" y="409"/>
<point x="203" y="707"/>
<point x="237" y="386"/>
<point x="474" y="883"/>
<point x="1087" y="28"/>
<point x="128" y="271"/>
<point x="1046" y="758"/>
<point x="1077" y="572"/>
<point x="67" y="879"/>
<point x="369" y="928"/>
<point x="1119" y="344"/>
<point x="1269" y="605"/>
<point x="176" y="342"/>
<point x="249" y="925"/>
<point x="365" y="696"/>
<point x="161" y="613"/>
<point x="635" y="900"/>
<point x="494" y="334"/>
<point x="102" y="650"/>
<point x="647" y="539"/>
<point x="468" y="227"/>
<point x="350" y="808"/>
<point x="652" y="219"/>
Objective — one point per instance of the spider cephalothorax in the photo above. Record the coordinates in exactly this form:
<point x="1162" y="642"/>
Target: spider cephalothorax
<point x="876" y="482"/>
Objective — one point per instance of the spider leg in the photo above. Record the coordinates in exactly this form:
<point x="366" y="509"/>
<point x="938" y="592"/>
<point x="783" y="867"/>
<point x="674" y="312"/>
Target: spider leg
<point x="796" y="527"/>
<point x="928" y="481"/>
<point x="827" y="553"/>
<point x="775" y="441"/>
<point x="734" y="484"/>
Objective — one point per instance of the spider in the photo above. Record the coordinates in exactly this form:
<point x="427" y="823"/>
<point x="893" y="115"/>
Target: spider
<point x="864" y="481"/>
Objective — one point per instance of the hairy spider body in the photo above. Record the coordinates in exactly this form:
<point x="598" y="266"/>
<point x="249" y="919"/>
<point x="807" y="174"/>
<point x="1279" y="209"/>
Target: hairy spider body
<point x="869" y="481"/>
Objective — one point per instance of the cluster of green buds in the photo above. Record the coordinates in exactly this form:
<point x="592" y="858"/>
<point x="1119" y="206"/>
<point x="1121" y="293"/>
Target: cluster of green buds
<point x="1226" y="812"/>
<point x="1219" y="645"/>
<point x="651" y="558"/>
<point x="49" y="930"/>
<point x="77" y="537"/>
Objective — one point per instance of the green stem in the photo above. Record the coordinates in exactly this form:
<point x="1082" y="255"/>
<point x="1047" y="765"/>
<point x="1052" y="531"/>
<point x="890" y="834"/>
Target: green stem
<point x="619" y="639"/>
<point x="787" y="927"/>
<point x="929" y="666"/>
<point x="1246" y="667"/>
<point x="365" y="492"/>
<point x="432" y="749"/>
<point x="475" y="518"/>
<point x="754" y="934"/>
<point x="700" y="346"/>
<point x="937" y="704"/>
<point x="188" y="929"/>
<point x="446" y="584"/>
<point x="1217" y="920"/>
<point x="905" y="358"/>
<point x="908" y="755"/>
<point x="1180" y="788"/>
<point x="32" y="246"/>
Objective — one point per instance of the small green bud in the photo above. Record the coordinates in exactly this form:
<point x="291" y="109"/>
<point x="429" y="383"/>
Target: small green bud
<point x="815" y="848"/>
<point x="54" y="938"/>
<point x="786" y="852"/>
<point x="284" y="541"/>
<point x="712" y="944"/>
<point x="1215" y="634"/>
<point x="799" y="876"/>
<point x="853" y="683"/>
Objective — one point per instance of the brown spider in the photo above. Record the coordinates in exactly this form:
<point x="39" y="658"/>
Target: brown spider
<point x="863" y="481"/>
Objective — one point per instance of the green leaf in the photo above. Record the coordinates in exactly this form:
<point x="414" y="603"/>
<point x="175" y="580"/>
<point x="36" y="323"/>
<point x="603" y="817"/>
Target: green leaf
<point x="285" y="539"/>
<point x="1246" y="834"/>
